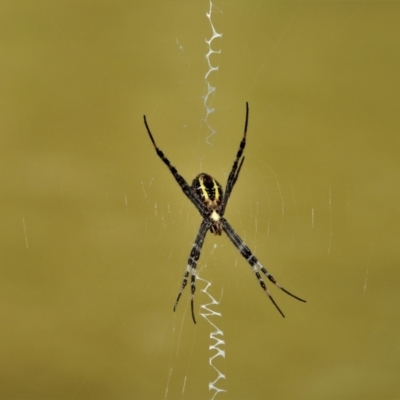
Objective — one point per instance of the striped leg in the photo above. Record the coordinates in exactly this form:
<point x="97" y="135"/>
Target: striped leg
<point x="179" y="178"/>
<point x="191" y="266"/>
<point x="255" y="264"/>
<point x="237" y="165"/>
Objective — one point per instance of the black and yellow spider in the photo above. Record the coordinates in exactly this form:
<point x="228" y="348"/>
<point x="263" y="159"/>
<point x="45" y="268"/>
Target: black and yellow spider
<point x="208" y="197"/>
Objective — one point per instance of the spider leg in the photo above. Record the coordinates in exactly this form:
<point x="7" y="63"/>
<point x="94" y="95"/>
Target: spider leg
<point x="234" y="174"/>
<point x="255" y="264"/>
<point x="192" y="262"/>
<point x="179" y="178"/>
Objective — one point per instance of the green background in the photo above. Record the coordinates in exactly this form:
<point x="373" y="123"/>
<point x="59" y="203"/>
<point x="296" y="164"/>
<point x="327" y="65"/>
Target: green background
<point x="96" y="234"/>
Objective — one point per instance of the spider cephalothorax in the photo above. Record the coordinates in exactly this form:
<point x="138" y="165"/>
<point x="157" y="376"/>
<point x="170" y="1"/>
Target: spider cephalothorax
<point x="207" y="196"/>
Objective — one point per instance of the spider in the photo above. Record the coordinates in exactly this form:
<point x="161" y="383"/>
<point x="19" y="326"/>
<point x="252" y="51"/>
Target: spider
<point x="210" y="201"/>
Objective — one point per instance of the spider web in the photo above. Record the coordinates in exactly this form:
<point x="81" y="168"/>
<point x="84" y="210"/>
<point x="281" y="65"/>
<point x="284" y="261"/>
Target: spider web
<point x="292" y="205"/>
<point x="96" y="233"/>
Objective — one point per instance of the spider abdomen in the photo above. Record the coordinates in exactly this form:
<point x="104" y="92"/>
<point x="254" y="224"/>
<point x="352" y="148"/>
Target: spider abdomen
<point x="208" y="190"/>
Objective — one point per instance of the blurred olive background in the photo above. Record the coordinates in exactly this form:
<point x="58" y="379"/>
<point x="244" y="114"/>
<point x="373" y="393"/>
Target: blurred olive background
<point x="96" y="233"/>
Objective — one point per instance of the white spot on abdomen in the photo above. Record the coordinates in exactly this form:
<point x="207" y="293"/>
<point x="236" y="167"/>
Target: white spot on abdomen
<point x="215" y="216"/>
